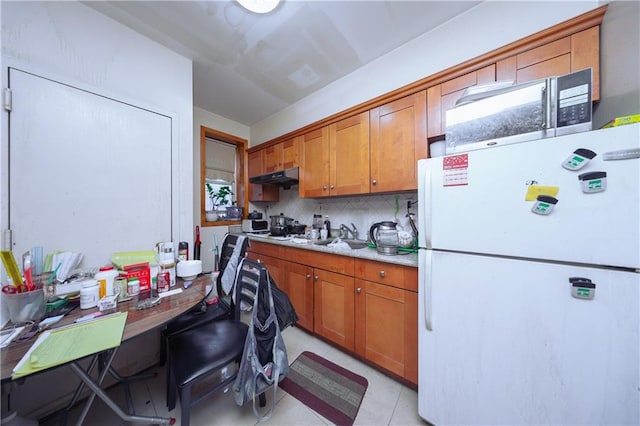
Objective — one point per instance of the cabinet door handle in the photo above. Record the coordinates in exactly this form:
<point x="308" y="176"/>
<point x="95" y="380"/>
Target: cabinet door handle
<point x="331" y="186"/>
<point x="315" y="277"/>
<point x="382" y="273"/>
<point x="324" y="187"/>
<point x="358" y="290"/>
<point x="374" y="182"/>
<point x="308" y="276"/>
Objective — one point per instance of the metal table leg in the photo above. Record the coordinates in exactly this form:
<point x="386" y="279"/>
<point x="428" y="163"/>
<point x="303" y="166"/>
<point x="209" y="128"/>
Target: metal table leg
<point x="98" y="391"/>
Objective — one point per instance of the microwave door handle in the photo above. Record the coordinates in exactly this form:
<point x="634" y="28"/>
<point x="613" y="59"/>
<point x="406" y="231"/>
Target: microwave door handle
<point x="548" y="105"/>
<point x="546" y="110"/>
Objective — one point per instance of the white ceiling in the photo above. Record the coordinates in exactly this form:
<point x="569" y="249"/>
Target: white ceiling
<point x="247" y="67"/>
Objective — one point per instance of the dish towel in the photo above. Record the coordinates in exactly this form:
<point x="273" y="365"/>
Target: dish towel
<point x="229" y="273"/>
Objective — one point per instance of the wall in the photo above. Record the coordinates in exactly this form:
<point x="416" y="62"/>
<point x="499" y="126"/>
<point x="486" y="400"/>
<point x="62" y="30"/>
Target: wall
<point x="70" y="41"/>
<point x="619" y="62"/>
<point x="360" y="211"/>
<point x="216" y="122"/>
<point x="481" y="29"/>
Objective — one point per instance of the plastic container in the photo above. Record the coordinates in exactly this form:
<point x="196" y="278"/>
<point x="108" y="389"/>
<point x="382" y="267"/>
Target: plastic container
<point x="27" y="306"/>
<point x="89" y="294"/>
<point x="106" y="277"/>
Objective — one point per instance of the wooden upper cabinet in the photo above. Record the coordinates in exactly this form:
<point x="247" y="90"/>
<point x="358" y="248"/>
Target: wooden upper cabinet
<point x="398" y="141"/>
<point x="566" y="55"/>
<point x="335" y="159"/>
<point x="272" y="158"/>
<point x="349" y="156"/>
<point x="585" y="53"/>
<point x="443" y="96"/>
<point x="314" y="167"/>
<point x="256" y="168"/>
<point x="400" y="124"/>
<point x="256" y="161"/>
<point x="282" y="155"/>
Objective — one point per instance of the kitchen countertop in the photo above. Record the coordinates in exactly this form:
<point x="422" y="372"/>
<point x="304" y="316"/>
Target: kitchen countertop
<point x="410" y="259"/>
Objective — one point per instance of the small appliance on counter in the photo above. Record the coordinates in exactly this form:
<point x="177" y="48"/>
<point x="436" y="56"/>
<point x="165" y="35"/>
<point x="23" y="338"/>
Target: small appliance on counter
<point x="385" y="237"/>
<point x="255" y="225"/>
<point x="279" y="224"/>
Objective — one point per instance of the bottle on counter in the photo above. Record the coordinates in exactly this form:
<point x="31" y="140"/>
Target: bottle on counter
<point x="183" y="251"/>
<point x="106" y="276"/>
<point x="327" y="226"/>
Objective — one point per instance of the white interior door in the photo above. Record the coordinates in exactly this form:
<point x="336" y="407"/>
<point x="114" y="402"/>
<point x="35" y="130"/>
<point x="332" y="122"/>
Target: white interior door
<point x="510" y="345"/>
<point x="87" y="173"/>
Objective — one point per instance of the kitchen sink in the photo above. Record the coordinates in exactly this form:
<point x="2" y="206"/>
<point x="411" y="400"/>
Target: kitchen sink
<point x="354" y="244"/>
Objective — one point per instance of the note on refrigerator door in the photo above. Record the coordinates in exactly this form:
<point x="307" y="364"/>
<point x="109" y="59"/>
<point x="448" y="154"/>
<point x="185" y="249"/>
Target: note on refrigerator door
<point x="534" y="190"/>
<point x="455" y="170"/>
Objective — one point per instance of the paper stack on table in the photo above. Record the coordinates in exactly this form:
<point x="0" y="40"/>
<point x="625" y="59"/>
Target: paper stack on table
<point x="68" y="261"/>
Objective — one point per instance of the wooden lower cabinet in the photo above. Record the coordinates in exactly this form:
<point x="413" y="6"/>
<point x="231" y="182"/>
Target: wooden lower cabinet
<point x="367" y="307"/>
<point x="333" y="308"/>
<point x="273" y="264"/>
<point x="386" y="308"/>
<point x="386" y="329"/>
<point x="298" y="284"/>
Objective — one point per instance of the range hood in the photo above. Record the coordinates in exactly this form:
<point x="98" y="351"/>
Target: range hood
<point x="283" y="178"/>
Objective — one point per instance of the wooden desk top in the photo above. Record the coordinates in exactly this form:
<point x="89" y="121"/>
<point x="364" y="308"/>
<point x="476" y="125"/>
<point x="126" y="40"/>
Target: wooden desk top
<point x="138" y="321"/>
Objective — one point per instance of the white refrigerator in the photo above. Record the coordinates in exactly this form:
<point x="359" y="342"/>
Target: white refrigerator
<point x="531" y="317"/>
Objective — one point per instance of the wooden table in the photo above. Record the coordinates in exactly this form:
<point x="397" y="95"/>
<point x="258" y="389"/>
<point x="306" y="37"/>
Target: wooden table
<point x="138" y="323"/>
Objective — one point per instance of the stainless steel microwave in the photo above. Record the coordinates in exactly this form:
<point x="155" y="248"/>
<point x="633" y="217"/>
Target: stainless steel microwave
<point x="497" y="114"/>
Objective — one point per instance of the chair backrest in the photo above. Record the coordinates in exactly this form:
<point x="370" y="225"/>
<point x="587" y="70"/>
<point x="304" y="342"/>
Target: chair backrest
<point x="228" y="246"/>
<point x="250" y="275"/>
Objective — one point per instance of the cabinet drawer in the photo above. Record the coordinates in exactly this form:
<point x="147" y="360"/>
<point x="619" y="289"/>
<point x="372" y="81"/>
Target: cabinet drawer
<point x="329" y="262"/>
<point x="264" y="248"/>
<point x="398" y="276"/>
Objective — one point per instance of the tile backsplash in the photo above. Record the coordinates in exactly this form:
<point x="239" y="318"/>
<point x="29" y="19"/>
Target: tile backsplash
<point x="362" y="211"/>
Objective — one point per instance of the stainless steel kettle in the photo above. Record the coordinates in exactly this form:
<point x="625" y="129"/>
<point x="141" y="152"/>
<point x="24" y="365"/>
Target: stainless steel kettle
<point x="385" y="236"/>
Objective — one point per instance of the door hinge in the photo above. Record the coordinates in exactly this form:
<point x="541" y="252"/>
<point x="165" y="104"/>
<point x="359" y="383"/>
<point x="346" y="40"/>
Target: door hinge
<point x="6" y="99"/>
<point x="7" y="239"/>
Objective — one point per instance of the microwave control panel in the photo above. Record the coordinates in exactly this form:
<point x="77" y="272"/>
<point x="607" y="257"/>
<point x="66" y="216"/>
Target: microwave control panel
<point x="573" y="98"/>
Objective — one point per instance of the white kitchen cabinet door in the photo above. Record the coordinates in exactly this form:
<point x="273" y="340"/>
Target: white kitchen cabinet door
<point x="87" y="173"/>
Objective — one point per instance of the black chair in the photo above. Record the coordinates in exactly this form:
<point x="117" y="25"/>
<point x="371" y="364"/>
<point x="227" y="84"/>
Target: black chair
<point x="200" y="352"/>
<point x="204" y="313"/>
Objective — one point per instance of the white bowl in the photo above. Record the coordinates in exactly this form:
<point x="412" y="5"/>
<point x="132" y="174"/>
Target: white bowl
<point x="189" y="269"/>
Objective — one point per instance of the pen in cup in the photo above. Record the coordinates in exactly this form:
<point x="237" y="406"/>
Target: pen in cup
<point x="53" y="274"/>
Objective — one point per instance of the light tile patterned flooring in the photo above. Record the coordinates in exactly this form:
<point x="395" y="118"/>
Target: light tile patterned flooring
<point x="386" y="402"/>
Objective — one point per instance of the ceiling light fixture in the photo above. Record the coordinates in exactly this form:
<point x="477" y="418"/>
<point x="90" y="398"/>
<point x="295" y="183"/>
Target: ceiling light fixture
<point x="259" y="6"/>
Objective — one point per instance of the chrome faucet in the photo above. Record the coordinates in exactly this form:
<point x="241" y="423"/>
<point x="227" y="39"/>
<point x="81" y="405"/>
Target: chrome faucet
<point x="345" y="231"/>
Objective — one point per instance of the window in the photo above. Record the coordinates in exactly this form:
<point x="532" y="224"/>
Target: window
<point x="222" y="164"/>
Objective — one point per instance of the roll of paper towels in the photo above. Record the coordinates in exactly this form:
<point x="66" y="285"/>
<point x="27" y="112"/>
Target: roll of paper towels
<point x="437" y="149"/>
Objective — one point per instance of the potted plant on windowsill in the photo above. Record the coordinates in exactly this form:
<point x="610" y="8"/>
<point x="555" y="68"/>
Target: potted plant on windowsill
<point x="218" y="199"/>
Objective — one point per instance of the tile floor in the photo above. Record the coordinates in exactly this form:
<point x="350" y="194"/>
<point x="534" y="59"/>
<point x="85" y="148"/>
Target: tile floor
<point x="386" y="401"/>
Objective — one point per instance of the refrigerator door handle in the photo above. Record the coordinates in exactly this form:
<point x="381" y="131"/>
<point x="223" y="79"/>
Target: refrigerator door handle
<point x="425" y="205"/>
<point x="428" y="289"/>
